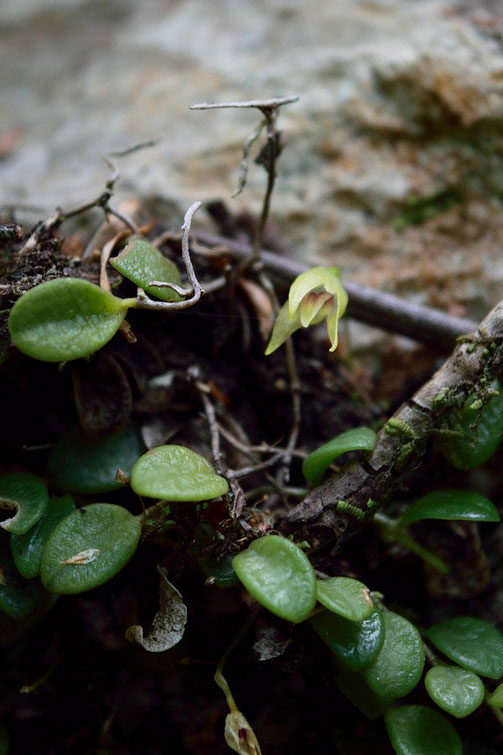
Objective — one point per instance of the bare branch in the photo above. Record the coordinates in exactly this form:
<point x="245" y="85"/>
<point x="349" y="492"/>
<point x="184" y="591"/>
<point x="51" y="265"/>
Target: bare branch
<point x="377" y="308"/>
<point x="260" y="104"/>
<point x="243" y="170"/>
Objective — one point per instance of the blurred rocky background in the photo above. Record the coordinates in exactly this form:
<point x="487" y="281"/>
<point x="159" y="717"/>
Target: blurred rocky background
<point x="393" y="169"/>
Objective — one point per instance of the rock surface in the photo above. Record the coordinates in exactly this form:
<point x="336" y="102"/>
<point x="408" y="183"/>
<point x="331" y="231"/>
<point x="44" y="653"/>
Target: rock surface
<point x="394" y="165"/>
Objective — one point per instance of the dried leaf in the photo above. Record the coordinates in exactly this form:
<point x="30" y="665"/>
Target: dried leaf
<point x="103" y="395"/>
<point x="84" y="557"/>
<point x="262" y="305"/>
<point x="169" y="621"/>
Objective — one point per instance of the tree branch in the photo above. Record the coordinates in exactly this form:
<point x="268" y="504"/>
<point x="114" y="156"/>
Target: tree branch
<point x="320" y="517"/>
<point x="382" y="310"/>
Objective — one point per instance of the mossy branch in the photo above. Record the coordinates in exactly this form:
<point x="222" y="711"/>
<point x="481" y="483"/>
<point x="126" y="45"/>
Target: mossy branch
<point x="396" y="454"/>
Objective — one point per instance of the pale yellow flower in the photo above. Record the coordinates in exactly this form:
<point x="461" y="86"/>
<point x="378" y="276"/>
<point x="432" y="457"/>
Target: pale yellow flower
<point x="315" y="295"/>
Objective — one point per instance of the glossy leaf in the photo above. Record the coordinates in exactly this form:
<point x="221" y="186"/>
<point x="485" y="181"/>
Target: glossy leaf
<point x="399" y="664"/>
<point x="142" y="263"/>
<point x="496" y="698"/>
<point x="316" y="464"/>
<point x="175" y="473"/>
<point x="86" y="465"/>
<point x="279" y="575"/>
<point x="465" y="505"/>
<point x="27" y="548"/>
<point x="473" y="643"/>
<point x="457" y="691"/>
<point x="64" y="319"/>
<point x="345" y="596"/>
<point x="19" y="598"/>
<point x="478" y="444"/>
<point x="111" y="530"/>
<point x="218" y="569"/>
<point x="27" y="495"/>
<point x="418" y="730"/>
<point x="356" y="644"/>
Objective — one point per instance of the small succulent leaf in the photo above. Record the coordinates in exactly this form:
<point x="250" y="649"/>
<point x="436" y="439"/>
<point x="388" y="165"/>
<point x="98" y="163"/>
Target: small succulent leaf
<point x="400" y="662"/>
<point x="283" y="329"/>
<point x="64" y="319"/>
<point x="455" y="690"/>
<point x="105" y="527"/>
<point x="419" y="730"/>
<point x="27" y="548"/>
<point x="464" y="505"/>
<point x="240" y="736"/>
<point x="279" y="575"/>
<point x="495" y="699"/>
<point x="87" y="465"/>
<point x="316" y="464"/>
<point x="27" y="495"/>
<point x="176" y="473"/>
<point x="345" y="596"/>
<point x="169" y="622"/>
<point x="19" y="598"/>
<point x="473" y="643"/>
<point x="482" y="432"/>
<point x="141" y="262"/>
<point x="356" y="644"/>
<point x="355" y="688"/>
<point x="317" y="279"/>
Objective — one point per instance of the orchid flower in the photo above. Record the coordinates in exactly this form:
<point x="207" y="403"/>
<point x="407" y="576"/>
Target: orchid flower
<point x="315" y="295"/>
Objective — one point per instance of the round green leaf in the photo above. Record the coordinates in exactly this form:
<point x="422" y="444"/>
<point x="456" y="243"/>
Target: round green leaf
<point x="482" y="431"/>
<point x="418" y="730"/>
<point x="87" y="465"/>
<point x="466" y="505"/>
<point x="316" y="464"/>
<point x="96" y="542"/>
<point x="64" y="319"/>
<point x="142" y="263"/>
<point x="27" y="548"/>
<point x="399" y="664"/>
<point x="175" y="473"/>
<point x="279" y="575"/>
<point x="345" y="596"/>
<point x="356" y="644"/>
<point x="454" y="689"/>
<point x="473" y="643"/>
<point x="26" y="494"/>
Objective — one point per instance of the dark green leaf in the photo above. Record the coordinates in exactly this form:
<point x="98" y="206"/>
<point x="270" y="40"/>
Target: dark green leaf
<point x="482" y="431"/>
<point x="473" y="643"/>
<point x="175" y="473"/>
<point x="418" y="730"/>
<point x="27" y="548"/>
<point x="355" y="688"/>
<point x="82" y="464"/>
<point x="496" y="698"/>
<point x="345" y="596"/>
<point x="64" y="319"/>
<point x="27" y="495"/>
<point x="4" y="741"/>
<point x="465" y="505"/>
<point x="142" y="263"/>
<point x="356" y="644"/>
<point x="279" y="575"/>
<point x="454" y="689"/>
<point x="19" y="598"/>
<point x="316" y="464"/>
<point x="399" y="664"/>
<point x="89" y="547"/>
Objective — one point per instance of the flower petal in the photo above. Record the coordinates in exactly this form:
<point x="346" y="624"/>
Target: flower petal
<point x="283" y="329"/>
